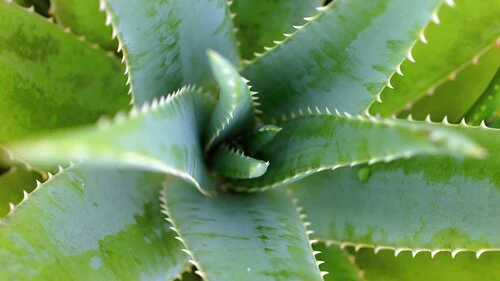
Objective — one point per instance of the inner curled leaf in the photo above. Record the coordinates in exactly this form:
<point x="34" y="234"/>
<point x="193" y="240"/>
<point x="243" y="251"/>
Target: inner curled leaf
<point x="234" y="112"/>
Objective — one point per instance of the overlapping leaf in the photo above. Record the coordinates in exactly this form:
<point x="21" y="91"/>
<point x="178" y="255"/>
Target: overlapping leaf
<point x="339" y="264"/>
<point x="49" y="78"/>
<point x="234" y="112"/>
<point x="240" y="236"/>
<point x="425" y="203"/>
<point x="487" y="107"/>
<point x="454" y="98"/>
<point x="13" y="184"/>
<point x="464" y="267"/>
<point x="164" y="136"/>
<point x="317" y="142"/>
<point x="342" y="58"/>
<point x="165" y="42"/>
<point x="84" y="18"/>
<point x="234" y="164"/>
<point x="98" y="225"/>
<point x="259" y="22"/>
<point x="465" y="32"/>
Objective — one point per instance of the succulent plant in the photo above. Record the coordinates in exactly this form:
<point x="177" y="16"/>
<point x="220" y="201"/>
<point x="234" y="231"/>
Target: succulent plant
<point x="361" y="144"/>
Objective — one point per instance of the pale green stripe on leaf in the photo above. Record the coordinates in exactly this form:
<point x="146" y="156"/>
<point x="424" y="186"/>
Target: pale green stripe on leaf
<point x="163" y="136"/>
<point x="316" y="142"/>
<point x="240" y="236"/>
<point x="464" y="31"/>
<point x="13" y="184"/>
<point x="97" y="225"/>
<point x="455" y="97"/>
<point x="487" y="107"/>
<point x="234" y="164"/>
<point x="424" y="203"/>
<point x="84" y="18"/>
<point x="341" y="58"/>
<point x="260" y="22"/>
<point x="234" y="112"/>
<point x="464" y="267"/>
<point x="165" y="42"/>
<point x="50" y="79"/>
<point x="339" y="264"/>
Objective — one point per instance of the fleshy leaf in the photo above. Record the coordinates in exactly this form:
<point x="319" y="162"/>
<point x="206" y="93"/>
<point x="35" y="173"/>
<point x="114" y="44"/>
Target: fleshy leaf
<point x="234" y="112"/>
<point x="50" y="79"/>
<point x="165" y="42"/>
<point x="341" y="58"/>
<point x="102" y="225"/>
<point x="84" y="18"/>
<point x="339" y="264"/>
<point x="164" y="137"/>
<point x="442" y="267"/>
<point x="465" y="31"/>
<point x="316" y="142"/>
<point x="220" y="232"/>
<point x="259" y="22"/>
<point x="455" y="97"/>
<point x="235" y="165"/>
<point x="258" y="140"/>
<point x="487" y="108"/>
<point x="422" y="204"/>
<point x="13" y="184"/>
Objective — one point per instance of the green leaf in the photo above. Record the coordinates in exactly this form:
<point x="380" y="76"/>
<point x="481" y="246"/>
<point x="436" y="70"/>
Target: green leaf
<point x="339" y="264"/>
<point x="455" y="97"/>
<point x="258" y="140"/>
<point x="464" y="267"/>
<point x="259" y="22"/>
<point x="40" y="6"/>
<point x="234" y="112"/>
<point x="50" y="79"/>
<point x="13" y="184"/>
<point x="466" y="31"/>
<point x="341" y="58"/>
<point x="425" y="203"/>
<point x="235" y="165"/>
<point x="165" y="42"/>
<point x="84" y="18"/>
<point x="487" y="107"/>
<point x="172" y="125"/>
<point x="240" y="236"/>
<point x="316" y="142"/>
<point x="101" y="225"/>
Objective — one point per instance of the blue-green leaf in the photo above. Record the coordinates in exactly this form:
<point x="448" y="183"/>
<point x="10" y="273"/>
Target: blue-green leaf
<point x="234" y="112"/>
<point x="90" y="224"/>
<point x="164" y="136"/>
<point x="420" y="204"/>
<point x="241" y="236"/>
<point x="341" y="58"/>
<point x="165" y="42"/>
<point x="234" y="164"/>
<point x="316" y="142"/>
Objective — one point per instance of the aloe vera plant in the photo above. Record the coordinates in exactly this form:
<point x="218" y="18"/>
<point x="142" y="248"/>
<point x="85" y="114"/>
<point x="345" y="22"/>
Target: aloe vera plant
<point x="249" y="140"/>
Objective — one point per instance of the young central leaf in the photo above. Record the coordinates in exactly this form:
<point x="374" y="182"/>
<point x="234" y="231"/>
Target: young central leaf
<point x="234" y="164"/>
<point x="234" y="112"/>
